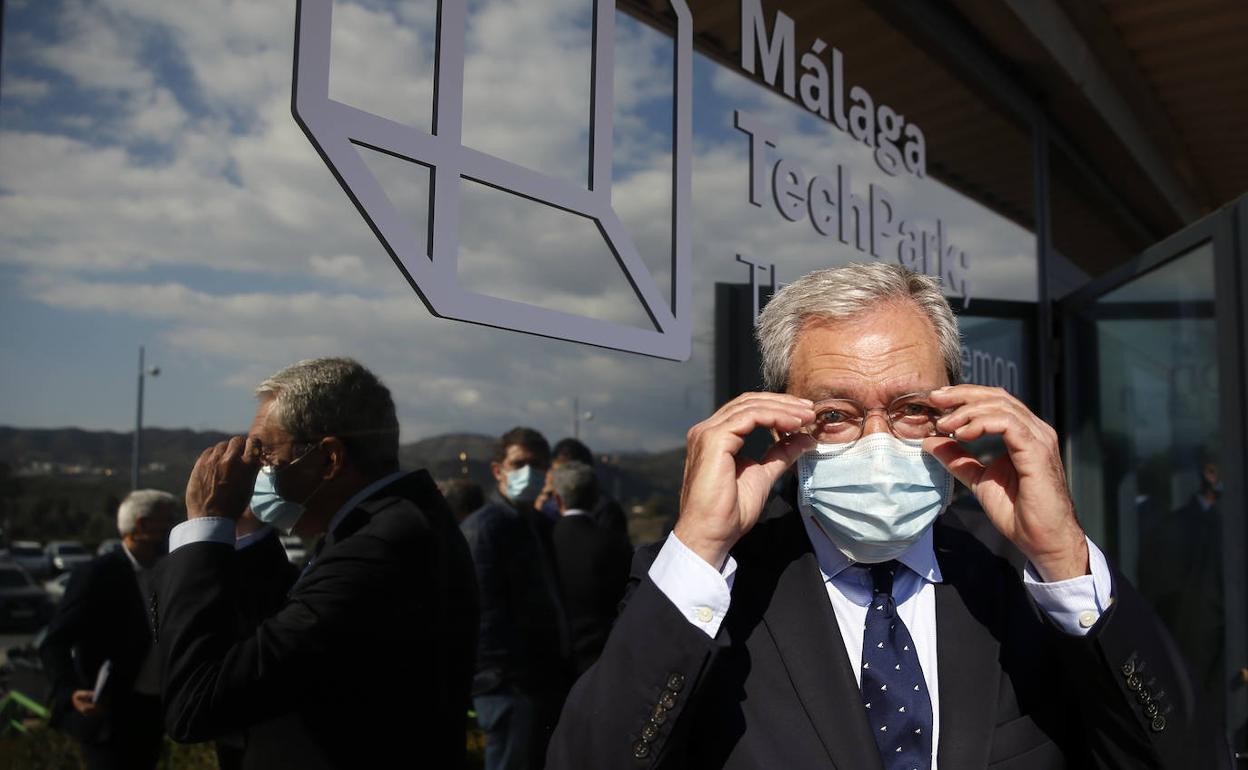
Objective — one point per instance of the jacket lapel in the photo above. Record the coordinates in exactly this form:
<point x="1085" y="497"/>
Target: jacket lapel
<point x="967" y="664"/>
<point x="803" y="626"/>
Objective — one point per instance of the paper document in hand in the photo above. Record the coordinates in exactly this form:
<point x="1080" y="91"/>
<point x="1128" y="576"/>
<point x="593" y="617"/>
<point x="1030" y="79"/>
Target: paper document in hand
<point x="101" y="679"/>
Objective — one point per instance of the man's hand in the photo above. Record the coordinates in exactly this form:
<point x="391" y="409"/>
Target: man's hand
<point x="222" y="480"/>
<point x="84" y="702"/>
<point x="1024" y="491"/>
<point x="722" y="494"/>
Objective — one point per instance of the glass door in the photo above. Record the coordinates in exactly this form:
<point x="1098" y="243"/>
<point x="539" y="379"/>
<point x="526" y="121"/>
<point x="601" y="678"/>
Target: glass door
<point x="1154" y="427"/>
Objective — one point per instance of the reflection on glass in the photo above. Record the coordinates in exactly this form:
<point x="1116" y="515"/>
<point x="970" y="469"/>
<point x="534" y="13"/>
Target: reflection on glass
<point x="1145" y="448"/>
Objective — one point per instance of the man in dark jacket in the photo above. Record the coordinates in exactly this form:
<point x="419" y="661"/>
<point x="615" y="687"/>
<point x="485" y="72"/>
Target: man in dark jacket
<point x="102" y="623"/>
<point x="838" y="622"/>
<point x="367" y="662"/>
<point x="523" y="670"/>
<point x="591" y="560"/>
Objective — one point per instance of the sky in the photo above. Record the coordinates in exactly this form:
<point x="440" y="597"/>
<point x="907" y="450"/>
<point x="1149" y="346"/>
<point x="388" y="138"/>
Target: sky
<point x="155" y="190"/>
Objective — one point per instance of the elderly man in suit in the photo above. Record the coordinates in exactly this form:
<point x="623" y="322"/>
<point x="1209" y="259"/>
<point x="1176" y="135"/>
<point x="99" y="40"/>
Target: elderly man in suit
<point x="828" y="619"/>
<point x="591" y="561"/>
<point x="102" y="620"/>
<point x="368" y="660"/>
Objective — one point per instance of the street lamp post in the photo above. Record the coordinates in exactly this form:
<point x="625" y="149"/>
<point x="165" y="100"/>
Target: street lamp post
<point x="577" y="415"/>
<point x="138" y="421"/>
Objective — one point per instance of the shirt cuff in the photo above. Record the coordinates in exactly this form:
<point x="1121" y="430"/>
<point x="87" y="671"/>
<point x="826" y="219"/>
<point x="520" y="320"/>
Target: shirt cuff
<point x="206" y="529"/>
<point x="251" y="538"/>
<point x="701" y="592"/>
<point x="1074" y="605"/>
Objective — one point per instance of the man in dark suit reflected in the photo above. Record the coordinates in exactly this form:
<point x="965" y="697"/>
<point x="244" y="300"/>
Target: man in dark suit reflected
<point x="591" y="562"/>
<point x="837" y="623"/>
<point x="102" y="621"/>
<point x="367" y="662"/>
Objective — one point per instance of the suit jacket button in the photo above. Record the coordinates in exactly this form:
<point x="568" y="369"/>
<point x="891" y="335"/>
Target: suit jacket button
<point x="675" y="682"/>
<point x="649" y="733"/>
<point x="1134" y="682"/>
<point x="659" y="716"/>
<point x="1150" y="709"/>
<point x="1158" y="724"/>
<point x="1128" y="668"/>
<point x="668" y="700"/>
<point x="1145" y="695"/>
<point x="641" y="750"/>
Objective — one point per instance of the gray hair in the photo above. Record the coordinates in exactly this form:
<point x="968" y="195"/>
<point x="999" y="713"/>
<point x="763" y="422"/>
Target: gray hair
<point x="140" y="504"/>
<point x="842" y="293"/>
<point x="576" y="484"/>
<point x="337" y="397"/>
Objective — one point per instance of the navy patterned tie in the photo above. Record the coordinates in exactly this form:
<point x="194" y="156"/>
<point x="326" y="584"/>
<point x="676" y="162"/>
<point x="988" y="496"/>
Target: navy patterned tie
<point x="894" y="692"/>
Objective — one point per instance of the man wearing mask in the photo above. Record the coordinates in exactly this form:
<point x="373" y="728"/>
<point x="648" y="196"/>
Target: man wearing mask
<point x="367" y="661"/>
<point x="102" y="623"/>
<point x="523" y="666"/>
<point x="836" y="623"/>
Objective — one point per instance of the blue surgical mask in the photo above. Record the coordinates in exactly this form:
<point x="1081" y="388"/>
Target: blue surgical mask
<point x="525" y="484"/>
<point x="268" y="504"/>
<point x="875" y="497"/>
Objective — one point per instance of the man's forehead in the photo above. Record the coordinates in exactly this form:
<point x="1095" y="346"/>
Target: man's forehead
<point x="875" y="356"/>
<point x="264" y="425"/>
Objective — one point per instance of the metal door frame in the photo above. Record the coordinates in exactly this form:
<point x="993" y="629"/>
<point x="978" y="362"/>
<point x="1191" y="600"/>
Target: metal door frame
<point x="1227" y="230"/>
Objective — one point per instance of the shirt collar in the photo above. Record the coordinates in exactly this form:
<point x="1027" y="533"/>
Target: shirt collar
<point x="919" y="557"/>
<point x="575" y="512"/>
<point x="133" y="561"/>
<point x="361" y="496"/>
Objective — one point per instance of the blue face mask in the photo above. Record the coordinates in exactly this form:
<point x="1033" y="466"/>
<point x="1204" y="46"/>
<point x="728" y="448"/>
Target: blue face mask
<point x="268" y="504"/>
<point x="525" y="484"/>
<point x="875" y="497"/>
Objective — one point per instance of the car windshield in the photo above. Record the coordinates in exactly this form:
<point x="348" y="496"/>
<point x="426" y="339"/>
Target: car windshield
<point x="70" y="549"/>
<point x="11" y="578"/>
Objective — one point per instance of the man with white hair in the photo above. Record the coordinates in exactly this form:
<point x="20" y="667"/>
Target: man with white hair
<point x="838" y="622"/>
<point x="102" y="621"/>
<point x="368" y="661"/>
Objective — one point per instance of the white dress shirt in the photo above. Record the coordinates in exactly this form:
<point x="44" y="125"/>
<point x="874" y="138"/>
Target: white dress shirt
<point x="703" y="595"/>
<point x="218" y="529"/>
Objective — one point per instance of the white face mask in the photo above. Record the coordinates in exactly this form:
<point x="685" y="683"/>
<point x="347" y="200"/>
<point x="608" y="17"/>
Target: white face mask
<point x="525" y="484"/>
<point x="874" y="497"/>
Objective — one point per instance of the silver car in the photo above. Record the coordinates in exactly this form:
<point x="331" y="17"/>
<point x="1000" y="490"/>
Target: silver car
<point x="23" y="603"/>
<point x="64" y="555"/>
<point x="29" y="555"/>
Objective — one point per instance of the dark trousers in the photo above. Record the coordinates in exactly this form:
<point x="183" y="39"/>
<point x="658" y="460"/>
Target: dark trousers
<point x="136" y="738"/>
<point x="517" y="726"/>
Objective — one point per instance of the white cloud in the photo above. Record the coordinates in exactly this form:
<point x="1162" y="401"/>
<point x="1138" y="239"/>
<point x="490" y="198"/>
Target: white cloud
<point x="98" y="228"/>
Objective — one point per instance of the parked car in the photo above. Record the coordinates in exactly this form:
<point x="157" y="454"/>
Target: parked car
<point x="294" y="550"/>
<point x="23" y="603"/>
<point x="29" y="555"/>
<point x="108" y="546"/>
<point x="64" y="555"/>
<point x="56" y="586"/>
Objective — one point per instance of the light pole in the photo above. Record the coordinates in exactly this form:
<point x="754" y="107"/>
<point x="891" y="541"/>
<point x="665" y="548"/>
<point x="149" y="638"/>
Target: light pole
<point x="577" y="416"/>
<point x="138" y="421"/>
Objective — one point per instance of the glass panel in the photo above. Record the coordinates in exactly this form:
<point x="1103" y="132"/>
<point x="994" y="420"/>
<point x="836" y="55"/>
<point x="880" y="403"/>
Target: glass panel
<point x="1145" y="445"/>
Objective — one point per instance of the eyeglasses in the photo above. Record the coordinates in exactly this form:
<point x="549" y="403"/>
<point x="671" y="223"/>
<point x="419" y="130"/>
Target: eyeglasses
<point x="265" y="453"/>
<point x="843" y="420"/>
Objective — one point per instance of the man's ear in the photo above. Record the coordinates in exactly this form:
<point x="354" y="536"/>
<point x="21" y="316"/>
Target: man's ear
<point x="335" y="457"/>
<point x="497" y="470"/>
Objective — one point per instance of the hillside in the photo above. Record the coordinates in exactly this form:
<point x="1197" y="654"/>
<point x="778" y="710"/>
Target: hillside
<point x="66" y="482"/>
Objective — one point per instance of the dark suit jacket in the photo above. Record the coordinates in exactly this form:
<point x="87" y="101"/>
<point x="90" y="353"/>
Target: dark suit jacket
<point x="101" y="617"/>
<point x="522" y="642"/>
<point x="366" y="664"/>
<point x="775" y="689"/>
<point x="267" y="575"/>
<point x="593" y="565"/>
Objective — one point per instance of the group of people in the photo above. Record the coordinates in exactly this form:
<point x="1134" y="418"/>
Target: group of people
<point x="812" y="608"/>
